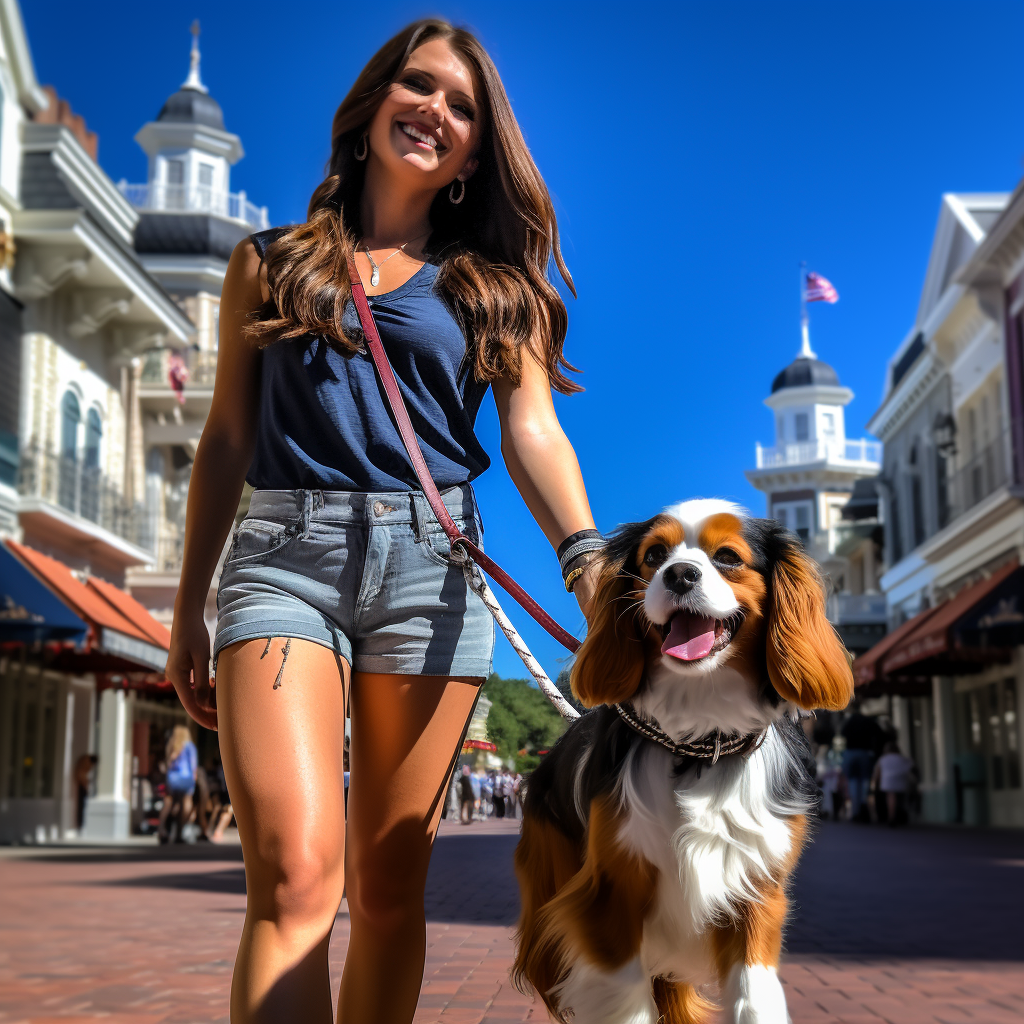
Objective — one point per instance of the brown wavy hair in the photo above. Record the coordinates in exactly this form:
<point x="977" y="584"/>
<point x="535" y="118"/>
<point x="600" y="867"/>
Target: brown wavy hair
<point x="493" y="248"/>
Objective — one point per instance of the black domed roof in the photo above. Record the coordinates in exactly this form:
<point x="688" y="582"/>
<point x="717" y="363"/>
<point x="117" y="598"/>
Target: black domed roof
<point x="804" y="372"/>
<point x="190" y="106"/>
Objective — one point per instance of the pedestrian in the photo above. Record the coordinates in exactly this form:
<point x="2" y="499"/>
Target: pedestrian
<point x="864" y="738"/>
<point x="499" y="794"/>
<point x="517" y="795"/>
<point x="466" y="797"/>
<point x="180" y="777"/>
<point x="486" y="794"/>
<point x="894" y="775"/>
<point x="83" y="775"/>
<point x="338" y="592"/>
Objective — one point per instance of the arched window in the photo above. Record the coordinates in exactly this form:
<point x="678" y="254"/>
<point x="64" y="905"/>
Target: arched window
<point x="70" y="417"/>
<point x="67" y="475"/>
<point x="93" y="437"/>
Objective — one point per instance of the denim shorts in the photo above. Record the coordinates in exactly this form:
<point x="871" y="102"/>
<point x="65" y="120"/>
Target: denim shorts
<point x="368" y="575"/>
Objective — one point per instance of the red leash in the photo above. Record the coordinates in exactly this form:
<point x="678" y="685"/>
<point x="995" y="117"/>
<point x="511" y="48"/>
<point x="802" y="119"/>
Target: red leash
<point x="429" y="488"/>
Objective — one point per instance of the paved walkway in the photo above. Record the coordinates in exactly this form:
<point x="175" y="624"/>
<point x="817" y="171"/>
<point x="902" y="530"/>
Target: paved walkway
<point x="899" y="927"/>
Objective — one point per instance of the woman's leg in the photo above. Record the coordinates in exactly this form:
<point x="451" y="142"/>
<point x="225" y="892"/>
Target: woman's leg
<point x="282" y="751"/>
<point x="406" y="733"/>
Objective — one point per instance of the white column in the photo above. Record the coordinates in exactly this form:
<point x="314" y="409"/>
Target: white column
<point x="107" y="814"/>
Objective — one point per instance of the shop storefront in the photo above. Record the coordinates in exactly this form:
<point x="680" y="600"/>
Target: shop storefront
<point x="954" y="674"/>
<point x="81" y="677"/>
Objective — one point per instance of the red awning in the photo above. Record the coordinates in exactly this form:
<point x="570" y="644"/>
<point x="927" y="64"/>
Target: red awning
<point x="907" y="650"/>
<point x="934" y="635"/>
<point x="123" y="635"/>
<point x="866" y="667"/>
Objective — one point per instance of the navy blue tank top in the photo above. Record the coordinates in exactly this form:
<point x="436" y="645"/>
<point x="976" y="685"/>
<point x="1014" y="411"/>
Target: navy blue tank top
<point x="324" y="422"/>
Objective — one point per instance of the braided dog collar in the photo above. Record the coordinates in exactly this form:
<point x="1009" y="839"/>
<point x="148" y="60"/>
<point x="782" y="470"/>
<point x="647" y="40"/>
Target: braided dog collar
<point x="708" y="748"/>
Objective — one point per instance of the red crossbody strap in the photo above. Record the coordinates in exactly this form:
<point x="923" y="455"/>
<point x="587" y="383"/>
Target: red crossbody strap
<point x="429" y="488"/>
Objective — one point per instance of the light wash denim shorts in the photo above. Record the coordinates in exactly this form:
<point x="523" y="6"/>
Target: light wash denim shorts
<point x="368" y="575"/>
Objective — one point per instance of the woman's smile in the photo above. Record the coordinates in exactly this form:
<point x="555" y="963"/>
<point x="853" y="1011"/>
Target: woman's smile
<point x="420" y="136"/>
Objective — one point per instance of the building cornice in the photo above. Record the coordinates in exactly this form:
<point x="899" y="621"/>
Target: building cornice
<point x="83" y="177"/>
<point x="810" y="394"/>
<point x="1000" y="251"/>
<point x="911" y="390"/>
<point x="155" y="136"/>
<point x="61" y="227"/>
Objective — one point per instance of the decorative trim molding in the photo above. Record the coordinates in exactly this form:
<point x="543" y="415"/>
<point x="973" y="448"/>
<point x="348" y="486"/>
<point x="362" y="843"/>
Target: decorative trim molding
<point x="912" y="389"/>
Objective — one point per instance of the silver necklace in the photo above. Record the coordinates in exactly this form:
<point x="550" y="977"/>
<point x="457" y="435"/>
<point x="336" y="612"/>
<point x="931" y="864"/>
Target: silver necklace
<point x="375" y="271"/>
<point x="375" y="267"/>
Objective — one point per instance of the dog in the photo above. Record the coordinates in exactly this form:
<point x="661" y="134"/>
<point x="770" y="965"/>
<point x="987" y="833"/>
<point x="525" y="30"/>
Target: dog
<point x="660" y="832"/>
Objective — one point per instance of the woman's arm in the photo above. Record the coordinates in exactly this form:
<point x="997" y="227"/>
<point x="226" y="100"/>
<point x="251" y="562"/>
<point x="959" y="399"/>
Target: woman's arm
<point x="218" y="473"/>
<point x="542" y="463"/>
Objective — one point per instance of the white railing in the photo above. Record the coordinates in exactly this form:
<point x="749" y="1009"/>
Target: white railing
<point x="195" y="199"/>
<point x="853" y="609"/>
<point x="862" y="452"/>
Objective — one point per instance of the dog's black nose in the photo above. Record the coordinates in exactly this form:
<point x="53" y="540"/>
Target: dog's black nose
<point x="681" y="577"/>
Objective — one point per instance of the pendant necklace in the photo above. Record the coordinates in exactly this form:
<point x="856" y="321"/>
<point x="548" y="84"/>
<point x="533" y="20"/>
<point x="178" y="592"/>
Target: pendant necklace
<point x="375" y="271"/>
<point x="375" y="267"/>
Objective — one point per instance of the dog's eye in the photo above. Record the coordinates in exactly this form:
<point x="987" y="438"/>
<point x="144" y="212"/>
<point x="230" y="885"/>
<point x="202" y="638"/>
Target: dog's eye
<point x="655" y="555"/>
<point x="727" y="557"/>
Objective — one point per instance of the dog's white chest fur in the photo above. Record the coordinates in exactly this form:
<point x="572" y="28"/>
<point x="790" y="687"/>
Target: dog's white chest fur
<point x="711" y="835"/>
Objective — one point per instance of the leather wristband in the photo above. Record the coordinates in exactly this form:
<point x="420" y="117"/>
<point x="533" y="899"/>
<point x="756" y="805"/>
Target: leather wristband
<point x="578" y="544"/>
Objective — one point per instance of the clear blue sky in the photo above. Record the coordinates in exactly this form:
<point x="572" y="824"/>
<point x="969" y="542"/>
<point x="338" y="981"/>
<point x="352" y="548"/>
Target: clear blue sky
<point x="696" y="152"/>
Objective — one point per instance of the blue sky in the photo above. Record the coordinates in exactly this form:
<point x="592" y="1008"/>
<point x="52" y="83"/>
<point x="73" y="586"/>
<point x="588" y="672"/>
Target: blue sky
<point x="696" y="152"/>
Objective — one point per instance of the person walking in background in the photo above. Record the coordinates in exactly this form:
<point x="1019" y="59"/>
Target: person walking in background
<point x="83" y="772"/>
<point x="466" y="797"/>
<point x="498" y="800"/>
<point x="893" y="776"/>
<point x="182" y="765"/>
<point x="864" y="739"/>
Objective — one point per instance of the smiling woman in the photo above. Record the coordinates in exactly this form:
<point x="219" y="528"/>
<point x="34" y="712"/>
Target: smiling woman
<point x="339" y="591"/>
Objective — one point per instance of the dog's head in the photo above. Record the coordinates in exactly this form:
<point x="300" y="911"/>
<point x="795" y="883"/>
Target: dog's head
<point x="704" y="586"/>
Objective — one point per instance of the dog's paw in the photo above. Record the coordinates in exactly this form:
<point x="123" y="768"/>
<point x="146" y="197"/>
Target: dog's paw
<point x="754" y="995"/>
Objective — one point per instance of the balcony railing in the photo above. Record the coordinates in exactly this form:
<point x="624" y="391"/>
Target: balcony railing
<point x="862" y="452"/>
<point x="856" y="609"/>
<point x="979" y="476"/>
<point x="202" y="368"/>
<point x="84" y="491"/>
<point x="195" y="199"/>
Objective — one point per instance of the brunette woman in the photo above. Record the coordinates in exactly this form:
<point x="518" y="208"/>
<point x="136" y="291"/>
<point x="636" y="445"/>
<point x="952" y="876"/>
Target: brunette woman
<point x="338" y="584"/>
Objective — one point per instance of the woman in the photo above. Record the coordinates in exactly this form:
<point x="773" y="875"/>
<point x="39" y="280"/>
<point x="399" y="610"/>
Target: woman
<point x="182" y="765"/>
<point x="338" y="585"/>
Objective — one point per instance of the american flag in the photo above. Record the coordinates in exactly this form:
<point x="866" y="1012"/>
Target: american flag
<point x="819" y="289"/>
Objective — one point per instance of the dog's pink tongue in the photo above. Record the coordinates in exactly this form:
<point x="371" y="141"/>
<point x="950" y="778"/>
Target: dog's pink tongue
<point x="689" y="637"/>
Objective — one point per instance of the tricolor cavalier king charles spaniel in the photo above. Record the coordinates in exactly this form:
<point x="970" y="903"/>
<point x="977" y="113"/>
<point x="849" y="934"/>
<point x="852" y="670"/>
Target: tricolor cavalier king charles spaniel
<point x="660" y="832"/>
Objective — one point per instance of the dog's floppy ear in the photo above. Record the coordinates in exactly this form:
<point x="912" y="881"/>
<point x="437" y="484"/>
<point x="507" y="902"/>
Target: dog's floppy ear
<point x="610" y="664"/>
<point x="807" y="663"/>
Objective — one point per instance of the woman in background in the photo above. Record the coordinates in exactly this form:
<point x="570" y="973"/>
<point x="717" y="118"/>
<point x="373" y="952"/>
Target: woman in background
<point x="182" y="765"/>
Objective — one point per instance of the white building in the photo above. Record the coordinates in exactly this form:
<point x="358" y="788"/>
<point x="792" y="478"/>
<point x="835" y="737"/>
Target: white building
<point x="809" y="476"/>
<point x="79" y="314"/>
<point x="189" y="222"/>
<point x="951" y="420"/>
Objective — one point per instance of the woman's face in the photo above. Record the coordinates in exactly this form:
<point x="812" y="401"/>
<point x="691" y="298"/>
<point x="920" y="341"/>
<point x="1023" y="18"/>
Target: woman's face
<point x="429" y="125"/>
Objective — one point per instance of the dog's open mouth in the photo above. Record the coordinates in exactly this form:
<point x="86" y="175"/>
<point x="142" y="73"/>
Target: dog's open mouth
<point x="690" y="636"/>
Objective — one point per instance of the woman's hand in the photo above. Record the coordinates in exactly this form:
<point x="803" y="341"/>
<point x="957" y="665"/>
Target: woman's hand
<point x="188" y="668"/>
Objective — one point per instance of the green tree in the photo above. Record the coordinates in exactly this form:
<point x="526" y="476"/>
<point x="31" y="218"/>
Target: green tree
<point x="521" y="718"/>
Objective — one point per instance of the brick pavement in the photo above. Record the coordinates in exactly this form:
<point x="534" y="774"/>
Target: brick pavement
<point x="889" y="926"/>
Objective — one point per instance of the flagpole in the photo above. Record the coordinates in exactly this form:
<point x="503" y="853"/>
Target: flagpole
<point x="805" y="332"/>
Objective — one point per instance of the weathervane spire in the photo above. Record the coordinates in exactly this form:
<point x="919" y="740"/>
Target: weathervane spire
<point x="194" y="81"/>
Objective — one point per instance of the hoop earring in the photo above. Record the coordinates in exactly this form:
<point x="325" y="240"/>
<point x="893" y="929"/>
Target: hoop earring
<point x="365" y="152"/>
<point x="451" y="192"/>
